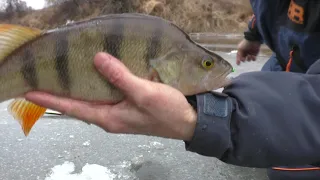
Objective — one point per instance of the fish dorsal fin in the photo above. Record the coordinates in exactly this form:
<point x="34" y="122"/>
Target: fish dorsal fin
<point x="112" y="16"/>
<point x="14" y="36"/>
<point x="192" y="41"/>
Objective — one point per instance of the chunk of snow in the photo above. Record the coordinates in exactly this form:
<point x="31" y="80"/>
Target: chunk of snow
<point x="232" y="52"/>
<point x="156" y="144"/>
<point x="89" y="172"/>
<point x="69" y="22"/>
<point x="87" y="143"/>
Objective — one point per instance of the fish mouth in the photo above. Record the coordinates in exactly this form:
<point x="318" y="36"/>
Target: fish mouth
<point x="224" y="81"/>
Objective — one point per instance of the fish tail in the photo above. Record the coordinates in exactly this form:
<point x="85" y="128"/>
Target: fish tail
<point x="14" y="36"/>
<point x="26" y="113"/>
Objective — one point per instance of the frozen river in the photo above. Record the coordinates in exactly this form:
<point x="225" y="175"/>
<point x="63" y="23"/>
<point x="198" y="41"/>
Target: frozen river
<point x="63" y="149"/>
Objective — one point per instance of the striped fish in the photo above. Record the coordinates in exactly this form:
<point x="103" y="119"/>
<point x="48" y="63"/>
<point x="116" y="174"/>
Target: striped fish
<point x="60" y="61"/>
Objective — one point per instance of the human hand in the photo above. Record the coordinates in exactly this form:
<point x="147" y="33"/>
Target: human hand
<point x="149" y="108"/>
<point x="247" y="50"/>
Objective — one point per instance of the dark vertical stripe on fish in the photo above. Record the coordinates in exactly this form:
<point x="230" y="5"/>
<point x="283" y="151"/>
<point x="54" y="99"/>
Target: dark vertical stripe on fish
<point x="113" y="39"/>
<point x="28" y="68"/>
<point x="61" y="63"/>
<point x="154" y="43"/>
<point x="112" y="42"/>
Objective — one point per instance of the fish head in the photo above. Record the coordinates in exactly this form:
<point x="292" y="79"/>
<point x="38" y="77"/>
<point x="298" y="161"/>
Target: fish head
<point x="203" y="71"/>
<point x="193" y="70"/>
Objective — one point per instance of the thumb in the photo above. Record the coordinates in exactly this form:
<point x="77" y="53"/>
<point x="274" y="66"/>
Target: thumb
<point x="119" y="75"/>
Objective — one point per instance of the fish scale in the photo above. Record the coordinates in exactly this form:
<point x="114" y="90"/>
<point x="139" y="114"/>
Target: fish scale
<point x="60" y="61"/>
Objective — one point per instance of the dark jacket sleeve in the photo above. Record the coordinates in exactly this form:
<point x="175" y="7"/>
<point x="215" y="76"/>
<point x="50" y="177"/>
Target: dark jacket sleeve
<point x="252" y="33"/>
<point x="262" y="119"/>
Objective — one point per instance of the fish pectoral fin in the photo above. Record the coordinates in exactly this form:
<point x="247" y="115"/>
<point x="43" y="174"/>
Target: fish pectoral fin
<point x="154" y="75"/>
<point x="14" y="36"/>
<point x="26" y="113"/>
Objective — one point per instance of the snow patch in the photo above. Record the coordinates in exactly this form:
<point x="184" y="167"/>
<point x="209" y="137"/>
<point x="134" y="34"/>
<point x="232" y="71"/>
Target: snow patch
<point x="157" y="145"/>
<point x="144" y="146"/>
<point x="69" y="22"/>
<point x="87" y="143"/>
<point x="89" y="172"/>
<point x="153" y="144"/>
<point x="3" y="122"/>
<point x="232" y="52"/>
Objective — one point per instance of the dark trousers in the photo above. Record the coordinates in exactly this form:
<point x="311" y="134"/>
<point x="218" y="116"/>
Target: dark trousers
<point x="304" y="172"/>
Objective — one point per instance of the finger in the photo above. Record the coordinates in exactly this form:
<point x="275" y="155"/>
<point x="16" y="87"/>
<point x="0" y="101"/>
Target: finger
<point x="254" y="57"/>
<point x="244" y="58"/>
<point x="239" y="57"/>
<point x="119" y="75"/>
<point x="75" y="108"/>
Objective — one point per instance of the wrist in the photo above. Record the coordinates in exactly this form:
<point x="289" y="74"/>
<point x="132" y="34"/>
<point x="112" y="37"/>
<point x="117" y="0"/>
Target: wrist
<point x="211" y="136"/>
<point x="191" y="118"/>
<point x="191" y="121"/>
<point x="252" y="37"/>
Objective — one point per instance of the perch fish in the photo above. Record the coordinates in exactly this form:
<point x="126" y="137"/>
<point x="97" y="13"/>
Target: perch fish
<point x="60" y="61"/>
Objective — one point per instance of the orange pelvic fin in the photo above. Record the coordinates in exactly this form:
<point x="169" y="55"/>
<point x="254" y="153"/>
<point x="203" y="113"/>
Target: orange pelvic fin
<point x="26" y="113"/>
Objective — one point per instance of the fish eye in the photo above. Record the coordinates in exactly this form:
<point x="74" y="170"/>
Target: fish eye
<point x="207" y="63"/>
